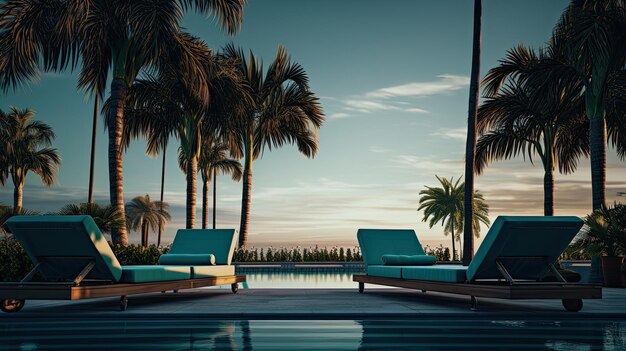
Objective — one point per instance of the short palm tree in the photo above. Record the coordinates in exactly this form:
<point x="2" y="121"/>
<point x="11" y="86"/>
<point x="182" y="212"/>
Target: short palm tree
<point x="144" y="214"/>
<point x="25" y="148"/>
<point x="445" y="204"/>
<point x="117" y="36"/>
<point x="7" y="212"/>
<point x="107" y="217"/>
<point x="283" y="111"/>
<point x="523" y="119"/>
<point x="213" y="160"/>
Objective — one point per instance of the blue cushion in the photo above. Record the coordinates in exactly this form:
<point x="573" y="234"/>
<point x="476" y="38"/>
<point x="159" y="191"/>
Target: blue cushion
<point x="437" y="273"/>
<point x="66" y="244"/>
<point x="187" y="259"/>
<point x="409" y="260"/>
<point x="523" y="236"/>
<point x="219" y="242"/>
<point x="146" y="274"/>
<point x="384" y="271"/>
<point x="375" y="243"/>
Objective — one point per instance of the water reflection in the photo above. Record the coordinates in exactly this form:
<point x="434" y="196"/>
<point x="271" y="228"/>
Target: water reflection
<point x="292" y="280"/>
<point x="203" y="334"/>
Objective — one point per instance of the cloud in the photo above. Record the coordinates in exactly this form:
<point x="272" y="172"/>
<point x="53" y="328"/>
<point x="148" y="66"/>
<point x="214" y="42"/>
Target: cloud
<point x="399" y="98"/>
<point x="445" y="84"/>
<point x="379" y="150"/>
<point x="452" y="133"/>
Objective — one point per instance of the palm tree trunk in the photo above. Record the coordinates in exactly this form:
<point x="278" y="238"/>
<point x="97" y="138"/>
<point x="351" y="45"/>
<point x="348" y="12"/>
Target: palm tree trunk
<point x="470" y="147"/>
<point x="93" y="149"/>
<point x="548" y="192"/>
<point x="205" y="200"/>
<point x="144" y="234"/>
<point x="453" y="247"/>
<point x="192" y="172"/>
<point x="214" y="194"/>
<point x="597" y="146"/>
<point x="115" y="118"/>
<point x="17" y="196"/>
<point x="246" y="196"/>
<point x="162" y="188"/>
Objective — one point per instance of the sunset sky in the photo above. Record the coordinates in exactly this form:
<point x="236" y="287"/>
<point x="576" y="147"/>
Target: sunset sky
<point x="393" y="80"/>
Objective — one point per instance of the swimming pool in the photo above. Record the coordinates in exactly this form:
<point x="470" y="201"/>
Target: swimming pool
<point x="298" y="280"/>
<point x="209" y="334"/>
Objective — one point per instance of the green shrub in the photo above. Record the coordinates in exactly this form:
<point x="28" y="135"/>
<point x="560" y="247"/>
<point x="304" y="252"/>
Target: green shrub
<point x="135" y="254"/>
<point x="14" y="262"/>
<point x="297" y="255"/>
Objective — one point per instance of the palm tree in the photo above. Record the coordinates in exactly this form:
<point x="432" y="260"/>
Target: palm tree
<point x="214" y="159"/>
<point x="165" y="105"/>
<point x="592" y="33"/>
<point x="25" y="148"/>
<point x="106" y="217"/>
<point x="124" y="37"/>
<point x="283" y="110"/>
<point x="144" y="214"/>
<point x="7" y="212"/>
<point x="470" y="145"/>
<point x="522" y="119"/>
<point x="445" y="204"/>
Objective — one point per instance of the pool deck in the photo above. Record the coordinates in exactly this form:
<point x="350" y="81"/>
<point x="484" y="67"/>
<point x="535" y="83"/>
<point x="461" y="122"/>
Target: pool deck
<point x="319" y="304"/>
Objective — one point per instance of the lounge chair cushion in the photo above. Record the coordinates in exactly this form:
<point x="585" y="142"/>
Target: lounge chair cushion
<point x="409" y="260"/>
<point x="375" y="243"/>
<point x="212" y="271"/>
<point x="66" y="244"/>
<point x="384" y="271"/>
<point x="523" y="236"/>
<point x="219" y="242"/>
<point x="437" y="273"/>
<point x="187" y="259"/>
<point x="145" y="274"/>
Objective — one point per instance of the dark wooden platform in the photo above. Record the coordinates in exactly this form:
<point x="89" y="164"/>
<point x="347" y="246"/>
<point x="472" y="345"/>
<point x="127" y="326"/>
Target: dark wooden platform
<point x="61" y="291"/>
<point x="528" y="290"/>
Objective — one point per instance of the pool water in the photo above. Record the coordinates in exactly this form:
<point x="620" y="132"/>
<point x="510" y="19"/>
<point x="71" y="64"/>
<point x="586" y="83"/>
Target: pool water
<point x="208" y="334"/>
<point x="295" y="280"/>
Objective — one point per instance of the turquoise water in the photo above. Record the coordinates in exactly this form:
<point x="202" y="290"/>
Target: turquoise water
<point x="202" y="334"/>
<point x="295" y="280"/>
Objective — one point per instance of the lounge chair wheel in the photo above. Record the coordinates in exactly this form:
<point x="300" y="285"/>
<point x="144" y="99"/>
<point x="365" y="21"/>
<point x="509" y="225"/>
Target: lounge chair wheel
<point x="573" y="305"/>
<point x="123" y="303"/>
<point x="361" y="287"/>
<point x="234" y="288"/>
<point x="474" y="303"/>
<point x="12" y="305"/>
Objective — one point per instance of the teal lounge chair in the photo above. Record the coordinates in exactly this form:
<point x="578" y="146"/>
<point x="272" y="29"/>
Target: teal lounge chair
<point x="515" y="255"/>
<point x="73" y="261"/>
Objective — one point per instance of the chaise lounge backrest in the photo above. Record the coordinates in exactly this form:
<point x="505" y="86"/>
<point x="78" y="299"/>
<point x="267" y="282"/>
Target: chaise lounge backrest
<point x="219" y="242"/>
<point x="521" y="238"/>
<point x="64" y="245"/>
<point x="375" y="243"/>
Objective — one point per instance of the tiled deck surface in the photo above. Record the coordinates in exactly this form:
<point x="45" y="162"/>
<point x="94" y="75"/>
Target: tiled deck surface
<point x="318" y="304"/>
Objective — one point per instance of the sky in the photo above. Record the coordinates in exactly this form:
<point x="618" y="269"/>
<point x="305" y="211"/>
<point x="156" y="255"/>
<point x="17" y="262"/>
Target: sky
<point x="393" y="80"/>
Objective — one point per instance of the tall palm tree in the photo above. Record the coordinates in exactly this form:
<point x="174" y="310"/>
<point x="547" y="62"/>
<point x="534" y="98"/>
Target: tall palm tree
<point x="445" y="204"/>
<point x="165" y="105"/>
<point x="593" y="35"/>
<point x="523" y="119"/>
<point x="214" y="159"/>
<point x="124" y="37"/>
<point x="144" y="214"/>
<point x="106" y="217"/>
<point x="283" y="110"/>
<point x="470" y="145"/>
<point x="25" y="148"/>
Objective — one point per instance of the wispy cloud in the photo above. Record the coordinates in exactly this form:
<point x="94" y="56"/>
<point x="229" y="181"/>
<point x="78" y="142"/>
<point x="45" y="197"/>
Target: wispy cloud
<point x="445" y="84"/>
<point x="399" y="98"/>
<point x="451" y="133"/>
<point x="379" y="150"/>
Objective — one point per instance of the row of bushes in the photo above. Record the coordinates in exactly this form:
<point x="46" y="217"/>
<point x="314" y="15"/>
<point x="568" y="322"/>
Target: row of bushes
<point x="297" y="255"/>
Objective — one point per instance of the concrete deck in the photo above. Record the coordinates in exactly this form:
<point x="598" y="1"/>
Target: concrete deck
<point x="319" y="304"/>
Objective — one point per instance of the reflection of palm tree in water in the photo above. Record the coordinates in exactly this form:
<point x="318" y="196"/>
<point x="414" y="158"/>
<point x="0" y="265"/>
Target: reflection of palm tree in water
<point x="216" y="336"/>
<point x="245" y="335"/>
